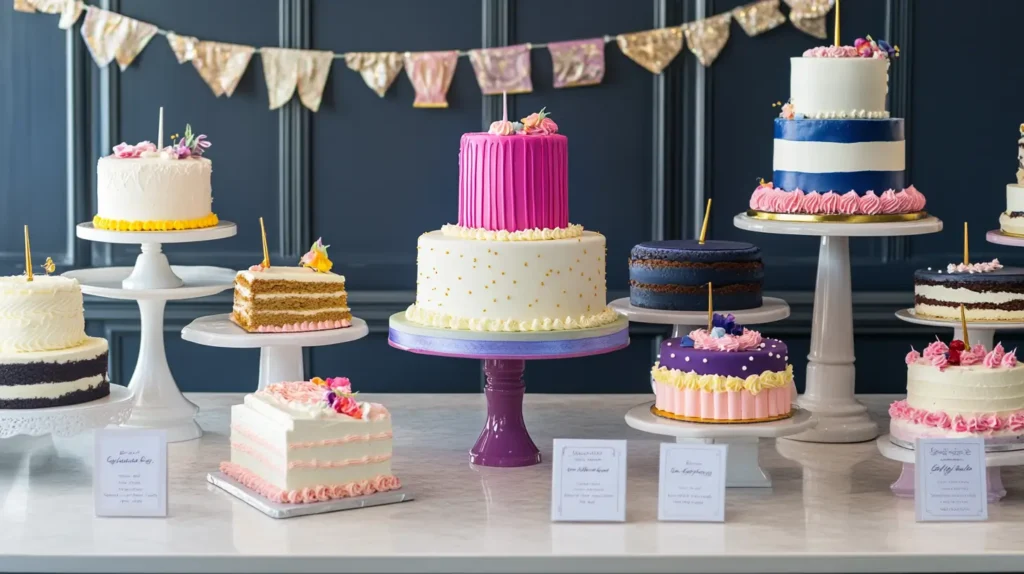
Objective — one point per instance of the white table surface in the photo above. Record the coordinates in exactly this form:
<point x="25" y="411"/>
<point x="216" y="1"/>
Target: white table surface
<point x="831" y="512"/>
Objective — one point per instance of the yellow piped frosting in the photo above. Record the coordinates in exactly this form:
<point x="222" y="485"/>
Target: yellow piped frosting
<point x="437" y="320"/>
<point x="719" y="383"/>
<point x="156" y="225"/>
<point x="481" y="234"/>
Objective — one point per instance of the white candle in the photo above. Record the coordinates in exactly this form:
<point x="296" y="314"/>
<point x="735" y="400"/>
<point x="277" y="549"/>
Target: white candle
<point x="504" y="106"/>
<point x="160" y="132"/>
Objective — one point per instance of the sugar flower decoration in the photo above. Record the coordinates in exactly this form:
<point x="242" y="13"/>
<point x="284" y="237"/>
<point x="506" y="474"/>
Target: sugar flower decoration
<point x="338" y="396"/>
<point x="539" y="123"/>
<point x="316" y="258"/>
<point x="870" y="48"/>
<point x="126" y="151"/>
<point x="48" y="266"/>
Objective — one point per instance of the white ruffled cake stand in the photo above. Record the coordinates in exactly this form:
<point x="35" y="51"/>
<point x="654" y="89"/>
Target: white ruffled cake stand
<point x="280" y="353"/>
<point x="158" y="403"/>
<point x="829" y="392"/>
<point x="69" y="420"/>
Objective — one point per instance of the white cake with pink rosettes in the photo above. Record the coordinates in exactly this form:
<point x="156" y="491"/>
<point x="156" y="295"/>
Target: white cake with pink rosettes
<point x="961" y="390"/>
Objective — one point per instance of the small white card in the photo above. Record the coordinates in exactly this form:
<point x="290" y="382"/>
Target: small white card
<point x="691" y="483"/>
<point x="588" y="481"/>
<point x="130" y="473"/>
<point x="951" y="482"/>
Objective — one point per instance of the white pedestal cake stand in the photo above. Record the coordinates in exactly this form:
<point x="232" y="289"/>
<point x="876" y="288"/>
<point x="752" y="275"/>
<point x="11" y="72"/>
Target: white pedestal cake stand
<point x="683" y="322"/>
<point x="904" y="485"/>
<point x="980" y="331"/>
<point x="830" y="370"/>
<point x="280" y="353"/>
<point x="743" y="469"/>
<point x="158" y="403"/>
<point x="68" y="420"/>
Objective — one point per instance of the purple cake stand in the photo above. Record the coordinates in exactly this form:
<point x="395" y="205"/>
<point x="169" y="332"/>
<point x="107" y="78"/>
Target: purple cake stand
<point x="504" y="440"/>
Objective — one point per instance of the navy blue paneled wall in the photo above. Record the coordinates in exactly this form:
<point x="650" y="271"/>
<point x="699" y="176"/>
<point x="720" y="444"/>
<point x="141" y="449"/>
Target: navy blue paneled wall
<point x="370" y="174"/>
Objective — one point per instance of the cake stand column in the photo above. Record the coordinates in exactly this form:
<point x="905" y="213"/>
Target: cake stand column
<point x="152" y="270"/>
<point x="504" y="441"/>
<point x="280" y="364"/>
<point x="158" y="402"/>
<point x="830" y="371"/>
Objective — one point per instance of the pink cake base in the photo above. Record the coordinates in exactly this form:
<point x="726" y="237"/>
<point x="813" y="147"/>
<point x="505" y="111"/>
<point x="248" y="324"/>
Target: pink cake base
<point x="909" y="424"/>
<point x="300" y="327"/>
<point x="773" y="200"/>
<point x="319" y="493"/>
<point x="722" y="407"/>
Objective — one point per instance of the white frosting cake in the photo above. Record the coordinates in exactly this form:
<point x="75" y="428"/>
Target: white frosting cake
<point x="154" y="189"/>
<point x="853" y="88"/>
<point x="310" y="441"/>
<point x="1012" y="220"/>
<point x="44" y="314"/>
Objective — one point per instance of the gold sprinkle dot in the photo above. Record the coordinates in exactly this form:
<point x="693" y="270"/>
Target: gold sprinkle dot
<point x="460" y="256"/>
<point x="487" y="286"/>
<point x="508" y="297"/>
<point x="541" y="283"/>
<point x="470" y="292"/>
<point x="493" y="281"/>
<point x="581" y="295"/>
<point x="584" y="251"/>
<point x="495" y="300"/>
<point x="514" y="282"/>
<point x="485" y="310"/>
<point x="559" y="305"/>
<point x="502" y="272"/>
<point x="525" y="264"/>
<point x="474" y="260"/>
<point x="529" y="304"/>
<point x="538" y="256"/>
<point x="488" y="266"/>
<point x="577" y="261"/>
<point x="446" y="252"/>
<point x="563" y="291"/>
<point x="459" y="278"/>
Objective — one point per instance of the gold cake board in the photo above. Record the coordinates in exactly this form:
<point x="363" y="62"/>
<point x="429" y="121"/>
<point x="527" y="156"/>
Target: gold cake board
<point x="675" y="417"/>
<point x="837" y="218"/>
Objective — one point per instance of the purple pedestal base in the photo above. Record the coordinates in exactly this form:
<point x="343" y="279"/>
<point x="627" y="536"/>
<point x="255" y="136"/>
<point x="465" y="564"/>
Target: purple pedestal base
<point x="904" y="485"/>
<point x="504" y="441"/>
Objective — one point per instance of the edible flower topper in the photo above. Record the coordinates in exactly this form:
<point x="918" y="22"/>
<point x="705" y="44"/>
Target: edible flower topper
<point x="191" y="145"/>
<point x="537" y="123"/>
<point x="725" y="335"/>
<point x="862" y="48"/>
<point x="788" y="111"/>
<point x="338" y="396"/>
<point x="956" y="354"/>
<point x="316" y="258"/>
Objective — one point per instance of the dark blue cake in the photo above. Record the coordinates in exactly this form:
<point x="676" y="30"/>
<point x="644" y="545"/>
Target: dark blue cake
<point x="673" y="275"/>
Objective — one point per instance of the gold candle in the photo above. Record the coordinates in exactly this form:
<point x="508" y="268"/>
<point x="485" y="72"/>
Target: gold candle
<point x="266" y="252"/>
<point x="967" y="260"/>
<point x="963" y="324"/>
<point x="837" y="23"/>
<point x="710" y="307"/>
<point x="704" y="226"/>
<point x="28" y="256"/>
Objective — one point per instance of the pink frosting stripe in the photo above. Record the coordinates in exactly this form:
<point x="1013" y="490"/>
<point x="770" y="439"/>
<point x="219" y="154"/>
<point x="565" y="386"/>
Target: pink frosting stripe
<point x="241" y="447"/>
<point x="305" y="326"/>
<point x="318" y="493"/>
<point x="724" y="405"/>
<point x="312" y="444"/>
<point x="703" y="340"/>
<point x="773" y="200"/>
<point x="513" y="182"/>
<point x="981" y="423"/>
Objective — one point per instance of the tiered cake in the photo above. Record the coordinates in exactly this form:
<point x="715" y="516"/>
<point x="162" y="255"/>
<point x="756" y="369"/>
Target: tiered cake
<point x="961" y="391"/>
<point x="837" y="151"/>
<point x="46" y="359"/>
<point x="1012" y="220"/>
<point x="728" y="374"/>
<point x="513" y="262"/>
<point x="310" y="441"/>
<point x="673" y="275"/>
<point x="987" y="291"/>
<point x="141" y="188"/>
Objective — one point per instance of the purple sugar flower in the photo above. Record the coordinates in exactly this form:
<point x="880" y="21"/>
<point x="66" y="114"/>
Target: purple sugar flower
<point x="331" y="397"/>
<point x="200" y="144"/>
<point x="727" y="323"/>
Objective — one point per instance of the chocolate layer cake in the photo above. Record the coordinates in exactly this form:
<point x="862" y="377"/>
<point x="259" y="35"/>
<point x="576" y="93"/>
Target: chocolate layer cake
<point x="988" y="292"/>
<point x="673" y="275"/>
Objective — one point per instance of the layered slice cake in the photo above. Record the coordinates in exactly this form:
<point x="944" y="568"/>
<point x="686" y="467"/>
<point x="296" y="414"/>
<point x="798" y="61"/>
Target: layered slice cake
<point x="290" y="299"/>
<point x="957" y="391"/>
<point x="673" y="275"/>
<point x="310" y="441"/>
<point x="988" y="291"/>
<point x="729" y="374"/>
<point x="46" y="359"/>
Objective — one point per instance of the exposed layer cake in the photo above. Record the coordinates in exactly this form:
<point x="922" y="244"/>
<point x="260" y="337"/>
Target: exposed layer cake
<point x="836" y="150"/>
<point x="141" y="188"/>
<point x="988" y="292"/>
<point x="513" y="262"/>
<point x="953" y="391"/>
<point x="1011" y="221"/>
<point x="46" y="359"/>
<point x="727" y="375"/>
<point x="310" y="441"/>
<point x="673" y="275"/>
<point x="289" y="299"/>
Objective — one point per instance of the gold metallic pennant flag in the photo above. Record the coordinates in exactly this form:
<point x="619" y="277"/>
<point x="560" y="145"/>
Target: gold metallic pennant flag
<point x="378" y="69"/>
<point x="577" y="62"/>
<point x="431" y="75"/>
<point x="286" y="69"/>
<point x="24" y="6"/>
<point x="809" y="16"/>
<point x="139" y="34"/>
<point x="707" y="37"/>
<point x="184" y="47"/>
<point x="759" y="17"/>
<point x="69" y="10"/>
<point x="220" y="65"/>
<point x="104" y="33"/>
<point x="652" y="49"/>
<point x="504" y="69"/>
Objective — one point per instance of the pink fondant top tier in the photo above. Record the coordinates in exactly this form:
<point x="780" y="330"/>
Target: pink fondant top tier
<point x="513" y="182"/>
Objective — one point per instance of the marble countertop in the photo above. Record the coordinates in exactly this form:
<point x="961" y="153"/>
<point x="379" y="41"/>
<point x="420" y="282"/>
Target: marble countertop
<point x="830" y="509"/>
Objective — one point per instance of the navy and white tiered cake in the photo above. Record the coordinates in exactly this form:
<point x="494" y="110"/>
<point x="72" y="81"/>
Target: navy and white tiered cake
<point x="838" y="156"/>
<point x="673" y="275"/>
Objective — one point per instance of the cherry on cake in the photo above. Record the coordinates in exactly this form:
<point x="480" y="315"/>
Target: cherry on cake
<point x="513" y="262"/>
<point x="728" y="374"/>
<point x="310" y="441"/>
<point x="956" y="391"/>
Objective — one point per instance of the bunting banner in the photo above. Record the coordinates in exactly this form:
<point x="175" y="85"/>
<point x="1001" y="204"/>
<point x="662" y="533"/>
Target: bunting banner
<point x="808" y="16"/>
<point x="378" y="69"/>
<point x="69" y="10"/>
<point x="652" y="49"/>
<point x="139" y="34"/>
<point x="286" y="70"/>
<point x="220" y="65"/>
<point x="759" y="17"/>
<point x="577" y="63"/>
<point x="104" y="32"/>
<point x="430" y="74"/>
<point x="502" y="69"/>
<point x="707" y="37"/>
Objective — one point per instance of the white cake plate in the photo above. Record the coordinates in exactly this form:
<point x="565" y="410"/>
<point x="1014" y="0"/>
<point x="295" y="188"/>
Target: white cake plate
<point x="68" y="420"/>
<point x="158" y="403"/>
<point x="280" y="353"/>
<point x="998" y="237"/>
<point x="830" y="370"/>
<point x="904" y="485"/>
<point x="743" y="469"/>
<point x="771" y="310"/>
<point x="980" y="331"/>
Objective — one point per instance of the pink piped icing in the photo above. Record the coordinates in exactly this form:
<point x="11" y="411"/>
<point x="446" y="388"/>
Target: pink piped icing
<point x="940" y="362"/>
<point x="987" y="422"/>
<point x="703" y="340"/>
<point x="319" y="493"/>
<point x="513" y="182"/>
<point x="974" y="356"/>
<point x="994" y="357"/>
<point x="937" y="347"/>
<point x="832" y="52"/>
<point x="309" y="393"/>
<point x="983" y="267"/>
<point x="305" y="326"/>
<point x="725" y="405"/>
<point x="774" y="200"/>
<point x="912" y="356"/>
<point x="347" y="439"/>
<point x="314" y="463"/>
<point x="1009" y="359"/>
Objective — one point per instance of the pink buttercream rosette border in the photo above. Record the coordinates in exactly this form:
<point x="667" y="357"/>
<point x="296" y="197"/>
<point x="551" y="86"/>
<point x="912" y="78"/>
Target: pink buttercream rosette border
<point x="318" y="493"/>
<point x="770" y="199"/>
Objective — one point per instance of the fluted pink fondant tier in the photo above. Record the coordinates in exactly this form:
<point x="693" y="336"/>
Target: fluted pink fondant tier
<point x="513" y="182"/>
<point x="725" y="406"/>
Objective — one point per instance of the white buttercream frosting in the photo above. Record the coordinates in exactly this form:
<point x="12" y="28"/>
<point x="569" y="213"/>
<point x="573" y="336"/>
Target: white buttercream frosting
<point x="44" y="314"/>
<point x="839" y="85"/>
<point x="503" y="235"/>
<point x="153" y="189"/>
